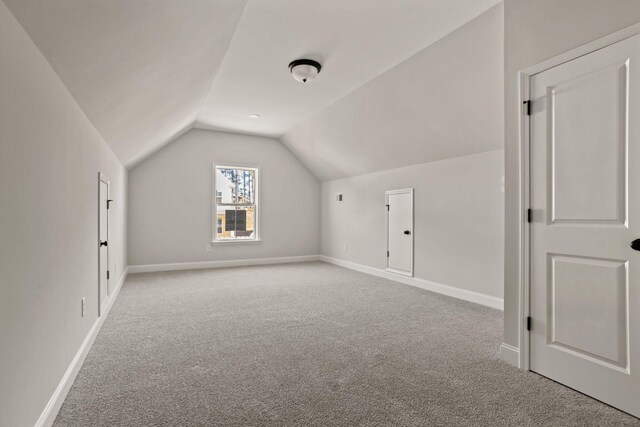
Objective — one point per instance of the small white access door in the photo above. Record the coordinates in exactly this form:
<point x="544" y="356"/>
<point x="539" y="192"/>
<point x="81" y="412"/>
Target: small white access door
<point x="400" y="231"/>
<point x="585" y="200"/>
<point x="103" y="243"/>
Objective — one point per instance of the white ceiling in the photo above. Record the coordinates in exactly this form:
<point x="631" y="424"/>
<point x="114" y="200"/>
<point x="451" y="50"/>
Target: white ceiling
<point x="445" y="101"/>
<point x="354" y="40"/>
<point x="139" y="69"/>
<point x="144" y="71"/>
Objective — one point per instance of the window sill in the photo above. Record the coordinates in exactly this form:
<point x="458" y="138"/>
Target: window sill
<point x="237" y="242"/>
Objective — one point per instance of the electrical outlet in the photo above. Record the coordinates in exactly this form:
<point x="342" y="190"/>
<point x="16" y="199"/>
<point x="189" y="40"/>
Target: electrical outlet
<point x="207" y="248"/>
<point x="344" y="248"/>
<point x="83" y="305"/>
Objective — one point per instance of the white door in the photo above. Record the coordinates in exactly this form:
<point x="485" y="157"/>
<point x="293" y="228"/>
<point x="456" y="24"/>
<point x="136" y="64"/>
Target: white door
<point x="585" y="200"/>
<point x="103" y="244"/>
<point x="400" y="231"/>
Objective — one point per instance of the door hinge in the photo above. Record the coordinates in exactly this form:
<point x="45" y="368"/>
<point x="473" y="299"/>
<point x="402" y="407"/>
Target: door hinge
<point x="527" y="107"/>
<point x="109" y="203"/>
<point x="387" y="254"/>
<point x="528" y="323"/>
<point x="387" y="207"/>
<point x="108" y="275"/>
<point x="529" y="215"/>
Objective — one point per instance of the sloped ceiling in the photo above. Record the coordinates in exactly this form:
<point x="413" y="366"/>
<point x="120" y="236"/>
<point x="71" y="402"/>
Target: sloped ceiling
<point x="139" y="69"/>
<point x="446" y="101"/>
<point x="354" y="40"/>
<point x="145" y="71"/>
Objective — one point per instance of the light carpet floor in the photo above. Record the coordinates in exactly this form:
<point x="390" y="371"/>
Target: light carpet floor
<point x="308" y="345"/>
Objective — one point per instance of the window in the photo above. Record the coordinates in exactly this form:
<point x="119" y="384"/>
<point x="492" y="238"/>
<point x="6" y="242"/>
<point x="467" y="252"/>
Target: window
<point x="235" y="204"/>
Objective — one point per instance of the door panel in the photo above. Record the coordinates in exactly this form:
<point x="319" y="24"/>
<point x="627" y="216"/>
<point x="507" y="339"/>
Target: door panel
<point x="598" y="288"/>
<point x="585" y="298"/>
<point x="588" y="156"/>
<point x="400" y="231"/>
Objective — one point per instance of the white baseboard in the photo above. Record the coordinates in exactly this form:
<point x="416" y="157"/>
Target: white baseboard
<point x="220" y="264"/>
<point x="476" y="297"/>
<point x="510" y="354"/>
<point x="50" y="412"/>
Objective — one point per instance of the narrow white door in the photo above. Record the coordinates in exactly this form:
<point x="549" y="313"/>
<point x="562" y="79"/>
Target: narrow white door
<point x="585" y="199"/>
<point x="400" y="231"/>
<point x="103" y="243"/>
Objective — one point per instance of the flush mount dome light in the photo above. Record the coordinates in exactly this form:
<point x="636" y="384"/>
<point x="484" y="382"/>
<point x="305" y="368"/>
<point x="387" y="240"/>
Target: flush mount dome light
<point x="304" y="70"/>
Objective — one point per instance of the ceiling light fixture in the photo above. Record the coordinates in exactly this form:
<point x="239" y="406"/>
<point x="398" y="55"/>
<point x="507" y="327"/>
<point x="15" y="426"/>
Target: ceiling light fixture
<point x="255" y="116"/>
<point x="304" y="70"/>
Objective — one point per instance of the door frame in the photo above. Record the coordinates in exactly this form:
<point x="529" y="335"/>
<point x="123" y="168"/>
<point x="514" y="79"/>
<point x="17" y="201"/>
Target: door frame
<point x="103" y="179"/>
<point x="386" y="200"/>
<point x="524" y="184"/>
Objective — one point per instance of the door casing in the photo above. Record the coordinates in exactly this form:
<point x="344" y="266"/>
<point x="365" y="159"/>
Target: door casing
<point x="524" y="79"/>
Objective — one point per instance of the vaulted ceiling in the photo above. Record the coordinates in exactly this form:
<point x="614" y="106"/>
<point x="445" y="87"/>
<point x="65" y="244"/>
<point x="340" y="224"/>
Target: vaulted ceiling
<point x="145" y="71"/>
<point x="139" y="69"/>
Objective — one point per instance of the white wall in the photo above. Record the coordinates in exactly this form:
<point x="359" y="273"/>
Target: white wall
<point x="459" y="220"/>
<point x="441" y="111"/>
<point x="170" y="201"/>
<point x="536" y="31"/>
<point x="50" y="157"/>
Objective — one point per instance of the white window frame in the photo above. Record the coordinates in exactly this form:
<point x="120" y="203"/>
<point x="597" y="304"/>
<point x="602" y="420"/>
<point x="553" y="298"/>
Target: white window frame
<point x="214" y="213"/>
